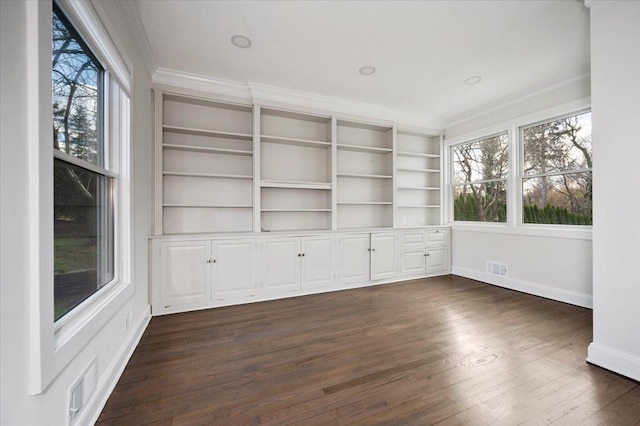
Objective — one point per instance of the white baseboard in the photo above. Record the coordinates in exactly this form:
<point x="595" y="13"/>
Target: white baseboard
<point x="553" y="293"/>
<point x="619" y="362"/>
<point x="113" y="373"/>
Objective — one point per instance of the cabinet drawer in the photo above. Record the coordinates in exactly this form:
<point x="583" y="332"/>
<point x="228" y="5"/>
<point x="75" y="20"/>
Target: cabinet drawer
<point x="412" y="239"/>
<point x="438" y="237"/>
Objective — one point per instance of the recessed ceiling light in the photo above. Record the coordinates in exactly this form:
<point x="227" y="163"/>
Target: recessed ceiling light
<point x="367" y="70"/>
<point x="473" y="80"/>
<point x="241" y="41"/>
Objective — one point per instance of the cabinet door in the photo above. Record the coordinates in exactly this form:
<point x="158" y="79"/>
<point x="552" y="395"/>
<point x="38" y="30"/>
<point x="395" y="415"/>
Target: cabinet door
<point x="281" y="267"/>
<point x="317" y="264"/>
<point x="355" y="258"/>
<point x="185" y="273"/>
<point x="233" y="269"/>
<point x="413" y="262"/>
<point x="436" y="259"/>
<point x="383" y="256"/>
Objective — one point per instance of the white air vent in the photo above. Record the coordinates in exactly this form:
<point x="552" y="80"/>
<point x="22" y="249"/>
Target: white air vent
<point x="82" y="390"/>
<point x="495" y="268"/>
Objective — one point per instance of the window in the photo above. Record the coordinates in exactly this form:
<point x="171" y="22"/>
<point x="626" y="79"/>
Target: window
<point x="556" y="171"/>
<point x="84" y="183"/>
<point x="479" y="183"/>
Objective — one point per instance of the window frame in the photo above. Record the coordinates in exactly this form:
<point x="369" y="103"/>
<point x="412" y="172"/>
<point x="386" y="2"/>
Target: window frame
<point x="522" y="176"/>
<point x="54" y="344"/>
<point x="451" y="184"/>
<point x="514" y="225"/>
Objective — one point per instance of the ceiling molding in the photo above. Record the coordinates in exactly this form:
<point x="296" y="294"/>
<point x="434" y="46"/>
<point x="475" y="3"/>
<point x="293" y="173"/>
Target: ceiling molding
<point x="277" y="96"/>
<point x="519" y="96"/>
<point x="132" y="17"/>
<point x="589" y="3"/>
<point x="264" y="94"/>
<point x="201" y="83"/>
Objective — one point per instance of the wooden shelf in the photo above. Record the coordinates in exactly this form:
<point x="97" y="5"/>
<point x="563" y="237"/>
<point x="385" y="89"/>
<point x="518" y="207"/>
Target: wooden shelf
<point x="207" y="175"/>
<point x="295" y="185"/>
<point x="294" y="141"/>
<point x="359" y="148"/>
<point x="194" y="148"/>
<point x="420" y="188"/>
<point x="364" y="203"/>
<point x="416" y="154"/>
<point x="293" y="210"/>
<point x="204" y="132"/>
<point x="419" y="170"/>
<point x="365" y="176"/>
<point x="207" y="206"/>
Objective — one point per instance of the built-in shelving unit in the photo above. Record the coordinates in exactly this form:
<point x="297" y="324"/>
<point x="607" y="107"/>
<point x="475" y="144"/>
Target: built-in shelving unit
<point x="206" y="165"/>
<point x="418" y="197"/>
<point x="225" y="166"/>
<point x="364" y="175"/>
<point x="295" y="171"/>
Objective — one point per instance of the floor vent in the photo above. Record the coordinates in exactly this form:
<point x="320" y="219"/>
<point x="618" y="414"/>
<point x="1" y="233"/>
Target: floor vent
<point x="495" y="268"/>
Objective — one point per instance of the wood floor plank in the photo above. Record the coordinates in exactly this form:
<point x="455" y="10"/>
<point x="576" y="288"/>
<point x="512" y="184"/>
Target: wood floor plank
<point x="445" y="350"/>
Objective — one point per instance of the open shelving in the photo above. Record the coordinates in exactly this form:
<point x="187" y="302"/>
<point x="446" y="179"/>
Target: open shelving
<point x="224" y="166"/>
<point x="418" y="197"/>
<point x="207" y="165"/>
<point x="295" y="171"/>
<point x="364" y="175"/>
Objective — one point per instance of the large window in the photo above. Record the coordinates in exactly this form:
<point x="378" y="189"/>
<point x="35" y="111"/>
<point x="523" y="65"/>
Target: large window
<point x="84" y="177"/>
<point x="556" y="171"/>
<point x="479" y="183"/>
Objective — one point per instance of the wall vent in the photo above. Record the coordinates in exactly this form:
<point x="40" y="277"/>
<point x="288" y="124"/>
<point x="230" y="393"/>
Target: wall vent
<point x="82" y="390"/>
<point x="496" y="268"/>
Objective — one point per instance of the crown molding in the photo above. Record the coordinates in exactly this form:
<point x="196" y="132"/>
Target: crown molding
<point x="589" y="3"/>
<point x="279" y="97"/>
<point x="521" y="95"/>
<point x="132" y="18"/>
<point x="201" y="83"/>
<point x="264" y="94"/>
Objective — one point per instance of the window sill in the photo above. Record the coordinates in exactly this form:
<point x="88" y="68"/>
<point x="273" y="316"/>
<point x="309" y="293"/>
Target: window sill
<point x="548" y="231"/>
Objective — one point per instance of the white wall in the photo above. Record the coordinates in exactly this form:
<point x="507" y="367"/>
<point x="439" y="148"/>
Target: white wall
<point x="556" y="268"/>
<point x="556" y="265"/>
<point x="111" y="345"/>
<point x="615" y="65"/>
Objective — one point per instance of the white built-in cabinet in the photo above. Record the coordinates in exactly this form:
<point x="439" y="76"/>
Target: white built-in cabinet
<point x="254" y="202"/>
<point x="218" y="271"/>
<point x="424" y="252"/>
<point x="197" y="272"/>
<point x="294" y="263"/>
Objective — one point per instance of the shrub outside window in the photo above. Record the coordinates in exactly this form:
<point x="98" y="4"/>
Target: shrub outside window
<point x="557" y="179"/>
<point x="479" y="184"/>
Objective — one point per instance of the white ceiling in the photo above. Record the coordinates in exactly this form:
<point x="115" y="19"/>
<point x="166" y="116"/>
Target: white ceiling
<point x="423" y="51"/>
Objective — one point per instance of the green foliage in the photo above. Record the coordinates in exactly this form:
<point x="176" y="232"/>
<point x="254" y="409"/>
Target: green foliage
<point x="553" y="215"/>
<point x="465" y="209"/>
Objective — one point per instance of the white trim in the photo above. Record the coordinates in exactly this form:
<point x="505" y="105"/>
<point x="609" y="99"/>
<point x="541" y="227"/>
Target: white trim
<point x="550" y="231"/>
<point x="132" y="16"/>
<point x="548" y="292"/>
<point x="617" y="361"/>
<point x="85" y="20"/>
<point x="112" y="374"/>
<point x="184" y="80"/>
<point x="272" y="96"/>
<point x="521" y="95"/>
<point x="513" y="128"/>
<point x="52" y="348"/>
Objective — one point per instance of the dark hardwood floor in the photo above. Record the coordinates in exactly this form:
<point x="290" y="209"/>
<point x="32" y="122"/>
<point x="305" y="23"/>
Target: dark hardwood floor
<point x="443" y="350"/>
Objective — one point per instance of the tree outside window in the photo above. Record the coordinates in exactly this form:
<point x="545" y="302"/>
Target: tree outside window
<point x="83" y="187"/>
<point x="480" y="171"/>
<point x="557" y="179"/>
